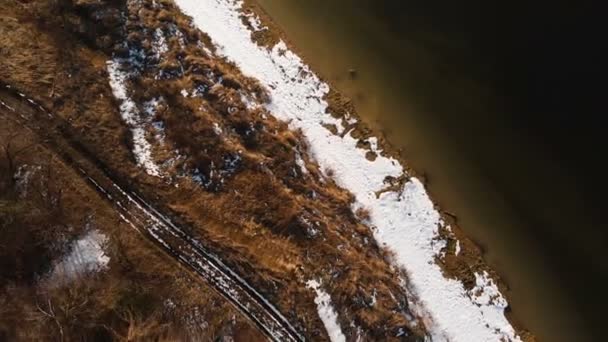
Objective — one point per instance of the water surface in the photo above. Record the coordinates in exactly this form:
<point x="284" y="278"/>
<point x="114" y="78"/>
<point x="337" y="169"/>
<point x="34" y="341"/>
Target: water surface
<point x="429" y="77"/>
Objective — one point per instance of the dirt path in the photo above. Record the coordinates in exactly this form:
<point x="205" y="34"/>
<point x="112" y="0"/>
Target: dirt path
<point x="145" y="218"/>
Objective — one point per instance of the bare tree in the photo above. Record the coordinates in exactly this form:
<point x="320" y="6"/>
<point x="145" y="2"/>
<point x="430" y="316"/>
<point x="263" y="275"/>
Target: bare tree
<point x="50" y="313"/>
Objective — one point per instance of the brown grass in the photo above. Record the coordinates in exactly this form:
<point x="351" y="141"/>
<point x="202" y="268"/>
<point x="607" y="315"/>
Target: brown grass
<point x="277" y="226"/>
<point x="127" y="301"/>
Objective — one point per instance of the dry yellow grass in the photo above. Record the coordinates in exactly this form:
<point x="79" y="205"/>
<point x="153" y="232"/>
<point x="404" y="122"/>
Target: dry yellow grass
<point x="277" y="226"/>
<point x="141" y="296"/>
<point x="130" y="299"/>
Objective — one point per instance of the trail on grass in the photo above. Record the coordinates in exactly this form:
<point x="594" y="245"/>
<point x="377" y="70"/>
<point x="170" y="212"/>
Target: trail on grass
<point x="143" y="216"/>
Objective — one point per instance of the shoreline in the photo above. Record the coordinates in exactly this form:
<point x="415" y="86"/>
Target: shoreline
<point x="457" y="234"/>
<point x="461" y="258"/>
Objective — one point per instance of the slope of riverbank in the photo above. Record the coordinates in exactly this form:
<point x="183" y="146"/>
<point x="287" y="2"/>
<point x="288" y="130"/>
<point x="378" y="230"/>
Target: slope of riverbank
<point x="439" y="95"/>
<point x="219" y="125"/>
<point x="346" y="167"/>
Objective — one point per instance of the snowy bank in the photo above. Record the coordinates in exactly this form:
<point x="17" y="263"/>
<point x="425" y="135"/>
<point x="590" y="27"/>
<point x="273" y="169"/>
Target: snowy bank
<point x="405" y="222"/>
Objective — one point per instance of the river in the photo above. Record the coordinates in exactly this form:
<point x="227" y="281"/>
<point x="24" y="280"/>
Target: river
<point x="428" y="76"/>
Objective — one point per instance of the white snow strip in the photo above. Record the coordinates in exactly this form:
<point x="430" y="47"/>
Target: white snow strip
<point x="130" y="114"/>
<point x="86" y="255"/>
<point x="327" y="313"/>
<point x="406" y="222"/>
<point x="457" y="251"/>
<point x="255" y="22"/>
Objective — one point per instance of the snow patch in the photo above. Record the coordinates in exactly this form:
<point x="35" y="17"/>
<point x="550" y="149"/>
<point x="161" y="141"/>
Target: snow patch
<point x="249" y="102"/>
<point x="130" y="114"/>
<point x="327" y="313"/>
<point x="159" y="45"/>
<point x="86" y="255"/>
<point x="405" y="221"/>
<point x="217" y="129"/>
<point x="174" y="31"/>
<point x="485" y="292"/>
<point x="255" y="22"/>
<point x="150" y="107"/>
<point x="23" y="176"/>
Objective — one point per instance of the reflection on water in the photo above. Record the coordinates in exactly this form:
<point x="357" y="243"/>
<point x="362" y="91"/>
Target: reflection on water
<point x="428" y="91"/>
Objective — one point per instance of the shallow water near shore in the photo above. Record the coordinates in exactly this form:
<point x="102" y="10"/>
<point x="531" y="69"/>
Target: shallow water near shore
<point x="447" y="124"/>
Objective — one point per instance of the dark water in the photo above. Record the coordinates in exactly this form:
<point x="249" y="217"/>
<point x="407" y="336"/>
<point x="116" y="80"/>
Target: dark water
<point x="497" y="102"/>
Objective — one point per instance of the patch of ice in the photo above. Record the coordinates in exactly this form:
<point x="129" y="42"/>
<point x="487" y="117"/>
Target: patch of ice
<point x="130" y="114"/>
<point x="327" y="313"/>
<point x="86" y="255"/>
<point x="406" y="221"/>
